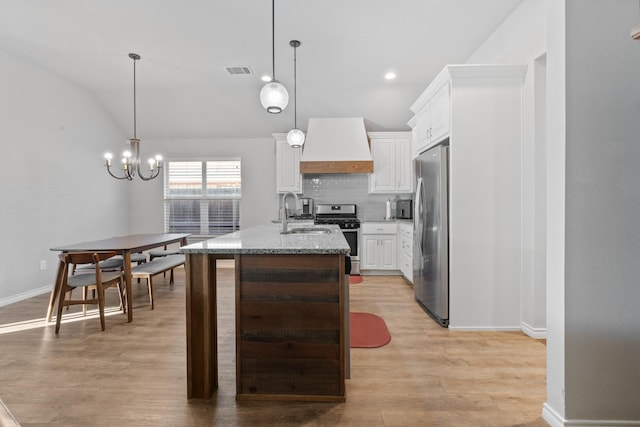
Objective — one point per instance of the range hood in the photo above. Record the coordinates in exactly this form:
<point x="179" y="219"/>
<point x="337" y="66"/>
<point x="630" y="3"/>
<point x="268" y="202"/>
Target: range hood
<point x="336" y="145"/>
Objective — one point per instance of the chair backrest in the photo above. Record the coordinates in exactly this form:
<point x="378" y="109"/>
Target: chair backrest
<point x="71" y="258"/>
<point x="86" y="257"/>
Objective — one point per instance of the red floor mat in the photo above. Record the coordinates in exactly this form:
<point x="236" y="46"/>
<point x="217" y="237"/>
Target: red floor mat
<point x="355" y="279"/>
<point x="368" y="331"/>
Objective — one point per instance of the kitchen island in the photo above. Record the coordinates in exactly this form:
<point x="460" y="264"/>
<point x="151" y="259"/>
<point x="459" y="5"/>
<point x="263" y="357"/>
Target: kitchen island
<point x="290" y="304"/>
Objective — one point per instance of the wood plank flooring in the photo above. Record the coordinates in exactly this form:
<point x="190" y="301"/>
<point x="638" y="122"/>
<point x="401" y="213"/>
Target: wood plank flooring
<point x="134" y="374"/>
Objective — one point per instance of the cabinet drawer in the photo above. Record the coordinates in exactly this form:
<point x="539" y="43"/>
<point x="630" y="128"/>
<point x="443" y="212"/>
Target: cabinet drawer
<point x="379" y="228"/>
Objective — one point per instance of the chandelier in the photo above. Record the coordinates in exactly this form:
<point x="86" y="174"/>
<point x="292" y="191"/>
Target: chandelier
<point x="274" y="96"/>
<point x="295" y="137"/>
<point x="131" y="157"/>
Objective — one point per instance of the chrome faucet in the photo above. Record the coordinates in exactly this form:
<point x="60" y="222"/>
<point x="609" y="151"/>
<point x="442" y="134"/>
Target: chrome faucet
<point x="284" y="209"/>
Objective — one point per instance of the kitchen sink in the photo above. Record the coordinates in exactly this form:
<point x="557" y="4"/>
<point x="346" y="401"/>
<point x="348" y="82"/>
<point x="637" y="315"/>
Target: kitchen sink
<point x="303" y="230"/>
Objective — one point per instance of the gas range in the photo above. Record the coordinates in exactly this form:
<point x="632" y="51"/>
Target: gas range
<point x="344" y="215"/>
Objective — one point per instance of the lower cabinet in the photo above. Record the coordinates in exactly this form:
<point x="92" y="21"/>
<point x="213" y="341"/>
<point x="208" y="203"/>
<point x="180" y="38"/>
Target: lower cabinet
<point x="379" y="246"/>
<point x="405" y="250"/>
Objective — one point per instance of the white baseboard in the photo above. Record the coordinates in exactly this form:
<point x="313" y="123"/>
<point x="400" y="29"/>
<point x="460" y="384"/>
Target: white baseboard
<point x="556" y="420"/>
<point x="535" y="333"/>
<point x="485" y="328"/>
<point x="25" y="295"/>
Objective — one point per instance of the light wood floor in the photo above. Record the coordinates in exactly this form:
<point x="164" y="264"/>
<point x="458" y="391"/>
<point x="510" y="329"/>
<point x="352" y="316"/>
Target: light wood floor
<point x="135" y="375"/>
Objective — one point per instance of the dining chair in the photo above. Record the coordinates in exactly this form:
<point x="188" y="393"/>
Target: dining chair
<point x="94" y="279"/>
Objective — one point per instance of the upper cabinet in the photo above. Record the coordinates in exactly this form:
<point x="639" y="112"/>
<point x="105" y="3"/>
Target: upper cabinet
<point x="433" y="117"/>
<point x="392" y="167"/>
<point x="288" y="177"/>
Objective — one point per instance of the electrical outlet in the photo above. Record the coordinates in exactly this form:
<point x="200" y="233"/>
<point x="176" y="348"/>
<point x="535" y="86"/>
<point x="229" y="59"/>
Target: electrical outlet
<point x="43" y="264"/>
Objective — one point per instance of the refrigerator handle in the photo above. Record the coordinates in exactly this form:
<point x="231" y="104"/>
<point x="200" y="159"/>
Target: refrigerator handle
<point x="417" y="220"/>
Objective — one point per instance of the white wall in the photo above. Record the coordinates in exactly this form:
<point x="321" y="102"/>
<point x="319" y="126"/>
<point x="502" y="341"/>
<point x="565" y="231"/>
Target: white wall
<point x="556" y="194"/>
<point x="520" y="40"/>
<point x="55" y="189"/>
<point x="259" y="196"/>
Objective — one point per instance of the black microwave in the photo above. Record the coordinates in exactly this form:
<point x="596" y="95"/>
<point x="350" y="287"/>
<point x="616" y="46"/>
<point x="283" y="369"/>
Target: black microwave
<point x="404" y="209"/>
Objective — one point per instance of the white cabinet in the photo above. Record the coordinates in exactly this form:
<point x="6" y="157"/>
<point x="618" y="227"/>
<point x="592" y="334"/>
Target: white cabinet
<point x="433" y="117"/>
<point x="379" y="246"/>
<point x="392" y="167"/>
<point x="288" y="177"/>
<point x="405" y="249"/>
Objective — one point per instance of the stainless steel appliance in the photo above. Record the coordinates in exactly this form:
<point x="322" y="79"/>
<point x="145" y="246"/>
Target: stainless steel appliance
<point x="345" y="216"/>
<point x="404" y="209"/>
<point x="431" y="238"/>
<point x="308" y="207"/>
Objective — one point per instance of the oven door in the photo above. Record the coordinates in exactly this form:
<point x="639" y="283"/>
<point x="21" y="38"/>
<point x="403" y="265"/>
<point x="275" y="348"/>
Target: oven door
<point x="351" y="235"/>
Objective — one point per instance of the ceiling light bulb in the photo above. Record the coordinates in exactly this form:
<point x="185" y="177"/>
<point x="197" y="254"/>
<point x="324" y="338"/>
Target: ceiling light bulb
<point x="295" y="138"/>
<point x="274" y="97"/>
<point x="390" y="75"/>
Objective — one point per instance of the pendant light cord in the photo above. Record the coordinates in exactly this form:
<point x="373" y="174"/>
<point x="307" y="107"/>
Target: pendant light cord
<point x="295" y="90"/>
<point x="273" y="39"/>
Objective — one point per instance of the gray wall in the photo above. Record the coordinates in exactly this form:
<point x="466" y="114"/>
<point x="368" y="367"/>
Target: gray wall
<point x="602" y="268"/>
<point x="55" y="189"/>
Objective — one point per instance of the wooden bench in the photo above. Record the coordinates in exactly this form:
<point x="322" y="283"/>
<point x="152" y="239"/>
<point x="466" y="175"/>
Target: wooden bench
<point x="157" y="266"/>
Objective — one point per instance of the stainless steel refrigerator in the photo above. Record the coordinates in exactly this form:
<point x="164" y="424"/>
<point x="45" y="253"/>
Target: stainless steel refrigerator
<point x="431" y="233"/>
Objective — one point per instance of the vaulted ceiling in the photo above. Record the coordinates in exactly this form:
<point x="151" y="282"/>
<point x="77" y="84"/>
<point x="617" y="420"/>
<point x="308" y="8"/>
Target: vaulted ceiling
<point x="183" y="88"/>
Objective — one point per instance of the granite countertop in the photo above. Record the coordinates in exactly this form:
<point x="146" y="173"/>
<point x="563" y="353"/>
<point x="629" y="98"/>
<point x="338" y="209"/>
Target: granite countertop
<point x="266" y="239"/>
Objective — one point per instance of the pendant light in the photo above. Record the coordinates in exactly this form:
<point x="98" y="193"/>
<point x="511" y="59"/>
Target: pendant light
<point x="635" y="33"/>
<point x="131" y="161"/>
<point x="295" y="137"/>
<point x="274" y="96"/>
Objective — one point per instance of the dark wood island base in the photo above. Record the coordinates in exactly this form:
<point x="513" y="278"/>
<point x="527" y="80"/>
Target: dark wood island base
<point x="290" y="326"/>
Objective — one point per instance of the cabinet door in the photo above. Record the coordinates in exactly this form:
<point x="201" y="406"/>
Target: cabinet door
<point x="369" y="255"/>
<point x="405" y="265"/>
<point x="382" y="180"/>
<point x="423" y="126"/>
<point x="387" y="248"/>
<point x="288" y="168"/>
<point x="404" y="166"/>
<point x="440" y="113"/>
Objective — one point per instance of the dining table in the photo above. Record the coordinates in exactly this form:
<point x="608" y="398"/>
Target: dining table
<point x="125" y="246"/>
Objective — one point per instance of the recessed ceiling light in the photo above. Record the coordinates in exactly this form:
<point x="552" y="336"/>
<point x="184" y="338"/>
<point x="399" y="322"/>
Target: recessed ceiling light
<point x="390" y="75"/>
<point x="265" y="78"/>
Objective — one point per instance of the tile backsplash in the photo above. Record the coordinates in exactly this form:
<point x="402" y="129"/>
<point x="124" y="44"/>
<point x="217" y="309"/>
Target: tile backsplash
<point x="349" y="188"/>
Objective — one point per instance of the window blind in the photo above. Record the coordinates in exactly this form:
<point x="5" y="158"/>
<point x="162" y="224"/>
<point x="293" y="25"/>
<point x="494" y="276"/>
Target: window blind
<point x="202" y="197"/>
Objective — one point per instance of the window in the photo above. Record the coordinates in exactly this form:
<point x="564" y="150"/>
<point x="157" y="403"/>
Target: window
<point x="202" y="197"/>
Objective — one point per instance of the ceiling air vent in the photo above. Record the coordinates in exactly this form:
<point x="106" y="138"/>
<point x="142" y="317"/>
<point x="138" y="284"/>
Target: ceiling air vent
<point x="238" y="70"/>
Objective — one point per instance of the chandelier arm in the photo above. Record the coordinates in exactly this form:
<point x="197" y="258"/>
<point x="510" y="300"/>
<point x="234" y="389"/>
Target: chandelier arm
<point x="117" y="177"/>
<point x="153" y="175"/>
